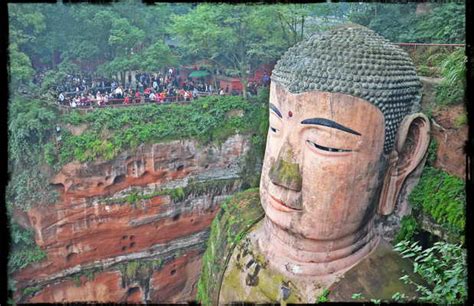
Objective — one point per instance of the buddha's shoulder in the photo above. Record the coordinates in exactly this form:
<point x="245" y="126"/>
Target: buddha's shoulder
<point x="248" y="278"/>
<point x="235" y="217"/>
<point x="377" y="276"/>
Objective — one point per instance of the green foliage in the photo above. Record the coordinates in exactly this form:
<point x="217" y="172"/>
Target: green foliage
<point x="20" y="68"/>
<point x="30" y="126"/>
<point x="139" y="270"/>
<point x="428" y="59"/>
<point x="193" y="188"/>
<point x="460" y="120"/>
<point x="443" y="267"/>
<point x="392" y="21"/>
<point x="204" y="119"/>
<point x="444" y="24"/>
<point x="399" y="297"/>
<point x="236" y="216"/>
<point x="50" y="153"/>
<point x="441" y="23"/>
<point x="233" y="37"/>
<point x="30" y="291"/>
<point x="451" y="90"/>
<point x="441" y="196"/>
<point x="408" y="228"/>
<point x="357" y="296"/>
<point x="23" y="250"/>
<point x="432" y="153"/>
<point x="323" y="298"/>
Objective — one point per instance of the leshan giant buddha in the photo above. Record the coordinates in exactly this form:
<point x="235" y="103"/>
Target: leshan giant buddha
<point x="344" y="135"/>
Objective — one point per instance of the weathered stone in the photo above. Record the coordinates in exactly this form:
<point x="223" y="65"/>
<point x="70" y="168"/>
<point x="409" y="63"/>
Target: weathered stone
<point x="112" y="213"/>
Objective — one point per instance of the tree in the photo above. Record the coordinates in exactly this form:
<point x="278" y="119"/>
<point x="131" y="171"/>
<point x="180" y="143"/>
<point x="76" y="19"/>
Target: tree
<point x="25" y="24"/>
<point x="443" y="23"/>
<point x="234" y="36"/>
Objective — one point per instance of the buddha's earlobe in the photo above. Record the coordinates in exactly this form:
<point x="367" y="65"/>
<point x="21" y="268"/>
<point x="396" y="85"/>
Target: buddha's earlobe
<point x="410" y="147"/>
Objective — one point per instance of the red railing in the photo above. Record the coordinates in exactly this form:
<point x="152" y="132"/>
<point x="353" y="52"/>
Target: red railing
<point x="115" y="103"/>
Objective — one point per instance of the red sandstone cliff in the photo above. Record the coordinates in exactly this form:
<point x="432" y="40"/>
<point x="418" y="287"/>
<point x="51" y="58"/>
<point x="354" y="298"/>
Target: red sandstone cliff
<point x="132" y="229"/>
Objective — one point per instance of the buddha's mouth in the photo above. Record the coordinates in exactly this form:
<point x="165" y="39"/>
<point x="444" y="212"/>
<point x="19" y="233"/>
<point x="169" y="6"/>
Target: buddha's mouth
<point x="280" y="205"/>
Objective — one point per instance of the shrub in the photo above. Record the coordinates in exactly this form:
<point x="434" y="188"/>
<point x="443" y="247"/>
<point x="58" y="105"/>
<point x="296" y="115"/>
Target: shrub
<point x="444" y="269"/>
<point x="408" y="228"/>
<point x="204" y="119"/>
<point x="451" y="89"/>
<point x="24" y="250"/>
<point x="442" y="196"/>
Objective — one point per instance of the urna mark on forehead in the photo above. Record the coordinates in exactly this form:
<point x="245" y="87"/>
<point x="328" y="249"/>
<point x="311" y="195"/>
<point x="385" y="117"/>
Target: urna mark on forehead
<point x="355" y="61"/>
<point x="337" y="111"/>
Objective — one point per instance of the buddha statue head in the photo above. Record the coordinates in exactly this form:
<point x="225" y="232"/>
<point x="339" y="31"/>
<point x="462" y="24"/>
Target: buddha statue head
<point x="344" y="135"/>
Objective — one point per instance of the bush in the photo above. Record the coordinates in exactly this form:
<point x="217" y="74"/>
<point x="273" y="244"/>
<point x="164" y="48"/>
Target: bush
<point x="443" y="267"/>
<point x="408" y="228"/>
<point x="24" y="250"/>
<point x="113" y="130"/>
<point x="442" y="196"/>
<point x="451" y="90"/>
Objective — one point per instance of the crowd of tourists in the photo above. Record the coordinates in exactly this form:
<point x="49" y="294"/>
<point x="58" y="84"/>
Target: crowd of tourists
<point x="85" y="91"/>
<point x="89" y="91"/>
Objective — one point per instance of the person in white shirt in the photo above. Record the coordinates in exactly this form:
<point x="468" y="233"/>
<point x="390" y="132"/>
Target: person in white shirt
<point x="118" y="92"/>
<point x="61" y="98"/>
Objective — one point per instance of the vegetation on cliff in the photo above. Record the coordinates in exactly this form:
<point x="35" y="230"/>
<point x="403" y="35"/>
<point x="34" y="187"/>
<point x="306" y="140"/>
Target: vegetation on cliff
<point x="31" y="124"/>
<point x="110" y="131"/>
<point x="444" y="268"/>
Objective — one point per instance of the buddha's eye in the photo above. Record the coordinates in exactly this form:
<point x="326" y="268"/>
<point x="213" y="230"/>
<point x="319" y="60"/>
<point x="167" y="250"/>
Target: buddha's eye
<point x="274" y="130"/>
<point x="327" y="149"/>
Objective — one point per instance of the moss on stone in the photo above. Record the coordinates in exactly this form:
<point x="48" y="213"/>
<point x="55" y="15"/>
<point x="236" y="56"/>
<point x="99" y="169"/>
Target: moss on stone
<point x="193" y="188"/>
<point x="286" y="173"/>
<point x="237" y="214"/>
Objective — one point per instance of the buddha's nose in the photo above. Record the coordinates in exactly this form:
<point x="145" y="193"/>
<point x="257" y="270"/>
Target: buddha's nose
<point x="285" y="172"/>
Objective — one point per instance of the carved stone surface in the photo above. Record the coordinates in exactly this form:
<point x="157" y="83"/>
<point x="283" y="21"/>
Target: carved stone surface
<point x="111" y="213"/>
<point x="356" y="61"/>
<point x="343" y="139"/>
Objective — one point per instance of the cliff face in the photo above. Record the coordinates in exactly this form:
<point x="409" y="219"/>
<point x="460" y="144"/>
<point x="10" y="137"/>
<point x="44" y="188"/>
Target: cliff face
<point x="132" y="229"/>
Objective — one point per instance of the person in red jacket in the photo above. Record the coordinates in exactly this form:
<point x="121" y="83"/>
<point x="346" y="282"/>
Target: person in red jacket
<point x="137" y="97"/>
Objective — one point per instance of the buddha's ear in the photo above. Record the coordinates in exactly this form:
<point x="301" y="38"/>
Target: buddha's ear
<point x="411" y="144"/>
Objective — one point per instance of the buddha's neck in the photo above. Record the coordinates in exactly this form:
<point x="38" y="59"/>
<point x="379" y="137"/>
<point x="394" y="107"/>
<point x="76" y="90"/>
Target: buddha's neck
<point x="298" y="256"/>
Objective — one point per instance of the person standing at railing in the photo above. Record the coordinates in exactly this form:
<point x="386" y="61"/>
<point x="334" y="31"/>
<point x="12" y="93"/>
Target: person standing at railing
<point x="186" y="95"/>
<point x="90" y="99"/>
<point x="119" y="92"/>
<point x="105" y="98"/>
<point x="61" y="98"/>
<point x="162" y="97"/>
<point x="137" y="97"/>
<point x="75" y="102"/>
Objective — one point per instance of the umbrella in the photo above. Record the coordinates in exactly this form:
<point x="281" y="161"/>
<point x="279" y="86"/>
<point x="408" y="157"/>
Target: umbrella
<point x="198" y="74"/>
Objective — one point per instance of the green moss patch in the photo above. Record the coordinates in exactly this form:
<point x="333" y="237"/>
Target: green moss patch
<point x="231" y="224"/>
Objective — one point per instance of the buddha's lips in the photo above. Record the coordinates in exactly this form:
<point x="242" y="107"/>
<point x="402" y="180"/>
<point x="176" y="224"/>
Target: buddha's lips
<point x="280" y="205"/>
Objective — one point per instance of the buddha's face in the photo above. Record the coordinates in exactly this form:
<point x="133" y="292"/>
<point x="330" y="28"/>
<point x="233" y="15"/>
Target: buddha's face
<point x="324" y="165"/>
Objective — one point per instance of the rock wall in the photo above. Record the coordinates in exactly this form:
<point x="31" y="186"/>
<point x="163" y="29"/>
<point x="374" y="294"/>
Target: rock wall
<point x="132" y="229"/>
<point x="450" y="134"/>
